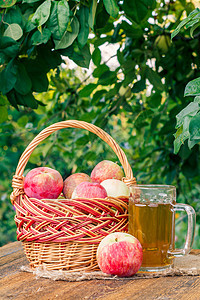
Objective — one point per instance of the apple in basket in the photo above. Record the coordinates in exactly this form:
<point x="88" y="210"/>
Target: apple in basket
<point x="106" y="170"/>
<point x="43" y="183"/>
<point x="115" y="188"/>
<point x="120" y="254"/>
<point x="89" y="190"/>
<point x="71" y="182"/>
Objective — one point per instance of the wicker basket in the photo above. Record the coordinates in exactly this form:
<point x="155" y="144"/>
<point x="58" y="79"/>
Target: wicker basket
<point x="65" y="233"/>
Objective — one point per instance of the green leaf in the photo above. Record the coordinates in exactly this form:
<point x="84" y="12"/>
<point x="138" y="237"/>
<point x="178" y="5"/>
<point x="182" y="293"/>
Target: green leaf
<point x="63" y="14"/>
<point x="14" y="31"/>
<point x="3" y="100"/>
<point x="120" y="56"/>
<point x="39" y="81"/>
<point x="2" y="58"/>
<point x="193" y="88"/>
<point x="82" y="58"/>
<point x="92" y="13"/>
<point x="194" y="127"/>
<point x="42" y="13"/>
<point x="197" y="99"/>
<point x="111" y="7"/>
<point x="142" y="118"/>
<point x="133" y="30"/>
<point x="154" y="79"/>
<point x="102" y="40"/>
<point x="101" y="18"/>
<point x="12" y="98"/>
<point x="84" y="26"/>
<point x="190" y="166"/>
<point x="29" y="26"/>
<point x="194" y="13"/>
<point x="193" y="29"/>
<point x="45" y="60"/>
<point x="52" y="23"/>
<point x="26" y="100"/>
<point x="184" y="22"/>
<point x="138" y="10"/>
<point x="96" y="56"/>
<point x="107" y="77"/>
<point x="41" y="37"/>
<point x="154" y="123"/>
<point x="8" y="46"/>
<point x="87" y="90"/>
<point x="8" y="77"/>
<point x="100" y="70"/>
<point x="23" y="84"/>
<point x="3" y="114"/>
<point x="37" y="71"/>
<point x="35" y="155"/>
<point x="112" y="92"/>
<point x="23" y="121"/>
<point x="139" y="86"/>
<point x="192" y="143"/>
<point x="59" y="18"/>
<point x="14" y="15"/>
<point x="181" y="135"/>
<point x="7" y="3"/>
<point x="90" y="156"/>
<point x="155" y="100"/>
<point x="189" y="111"/>
<point x="68" y="37"/>
<point x="192" y="22"/>
<point x="98" y="96"/>
<point x="178" y="28"/>
<point x="46" y="148"/>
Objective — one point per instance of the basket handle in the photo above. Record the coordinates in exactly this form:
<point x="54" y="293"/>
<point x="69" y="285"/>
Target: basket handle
<point x="17" y="182"/>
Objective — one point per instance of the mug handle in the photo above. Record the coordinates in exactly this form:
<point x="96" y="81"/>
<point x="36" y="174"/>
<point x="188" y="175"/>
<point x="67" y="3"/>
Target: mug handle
<point x="190" y="231"/>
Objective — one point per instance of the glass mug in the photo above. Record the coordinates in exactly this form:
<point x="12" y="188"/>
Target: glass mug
<point x="152" y="221"/>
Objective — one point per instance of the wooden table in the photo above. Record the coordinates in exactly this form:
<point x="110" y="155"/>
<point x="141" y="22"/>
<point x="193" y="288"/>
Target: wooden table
<point x="15" y="284"/>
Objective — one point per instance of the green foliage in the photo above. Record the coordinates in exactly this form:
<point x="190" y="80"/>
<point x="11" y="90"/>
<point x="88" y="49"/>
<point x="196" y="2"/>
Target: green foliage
<point x="31" y="28"/>
<point x="188" y="120"/>
<point x="111" y="7"/>
<point x="7" y="3"/>
<point x="192" y="22"/>
<point x="138" y="12"/>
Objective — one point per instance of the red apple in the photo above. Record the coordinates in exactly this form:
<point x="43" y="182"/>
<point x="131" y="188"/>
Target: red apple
<point x="106" y="170"/>
<point x="71" y="182"/>
<point x="43" y="183"/>
<point x="89" y="190"/>
<point x="119" y="254"/>
<point x="115" y="188"/>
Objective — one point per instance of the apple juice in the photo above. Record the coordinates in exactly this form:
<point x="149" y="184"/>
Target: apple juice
<point x="152" y="224"/>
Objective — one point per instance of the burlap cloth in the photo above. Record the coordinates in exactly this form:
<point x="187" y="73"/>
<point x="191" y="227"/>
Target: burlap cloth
<point x="183" y="266"/>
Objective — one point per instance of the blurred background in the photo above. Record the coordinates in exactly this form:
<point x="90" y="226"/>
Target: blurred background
<point x="129" y="79"/>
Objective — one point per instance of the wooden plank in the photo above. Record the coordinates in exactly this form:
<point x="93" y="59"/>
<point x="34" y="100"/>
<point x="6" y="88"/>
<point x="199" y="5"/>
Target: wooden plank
<point x="26" y="286"/>
<point x="10" y="248"/>
<point x="10" y="254"/>
<point x="11" y="258"/>
<point x="15" y="284"/>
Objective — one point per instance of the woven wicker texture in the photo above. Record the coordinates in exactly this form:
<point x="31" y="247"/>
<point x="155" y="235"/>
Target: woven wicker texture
<point x="64" y="233"/>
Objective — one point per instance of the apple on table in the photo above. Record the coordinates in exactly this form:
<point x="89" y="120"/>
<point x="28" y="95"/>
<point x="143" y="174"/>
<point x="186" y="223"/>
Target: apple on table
<point x="120" y="254"/>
